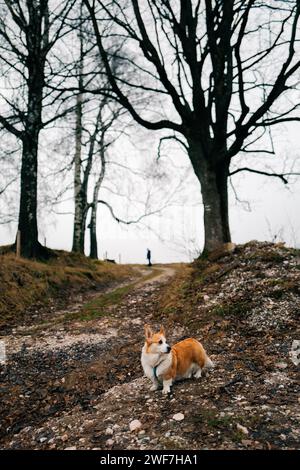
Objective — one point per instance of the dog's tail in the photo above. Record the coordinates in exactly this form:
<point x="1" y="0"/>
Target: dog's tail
<point x="208" y="363"/>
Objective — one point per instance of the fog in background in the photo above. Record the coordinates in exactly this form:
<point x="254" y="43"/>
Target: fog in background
<point x="261" y="208"/>
<point x="136" y="183"/>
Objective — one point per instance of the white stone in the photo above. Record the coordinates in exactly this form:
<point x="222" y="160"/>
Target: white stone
<point x="281" y="365"/>
<point x="110" y="442"/>
<point x="134" y="425"/>
<point x="109" y="431"/>
<point x="243" y="429"/>
<point x="295" y="352"/>
<point x="178" y="417"/>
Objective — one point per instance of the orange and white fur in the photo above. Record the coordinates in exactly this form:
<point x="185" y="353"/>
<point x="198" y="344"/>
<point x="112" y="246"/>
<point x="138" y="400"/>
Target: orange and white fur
<point x="163" y="364"/>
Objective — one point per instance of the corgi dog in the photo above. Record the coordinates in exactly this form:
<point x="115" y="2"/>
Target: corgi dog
<point x="164" y="364"/>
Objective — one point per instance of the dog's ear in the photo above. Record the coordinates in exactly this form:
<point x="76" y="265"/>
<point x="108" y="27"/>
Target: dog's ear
<point x="162" y="330"/>
<point x="148" y="332"/>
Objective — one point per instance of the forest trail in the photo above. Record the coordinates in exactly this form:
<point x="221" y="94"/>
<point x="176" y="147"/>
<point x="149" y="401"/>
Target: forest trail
<point x="62" y="366"/>
<point x="78" y="384"/>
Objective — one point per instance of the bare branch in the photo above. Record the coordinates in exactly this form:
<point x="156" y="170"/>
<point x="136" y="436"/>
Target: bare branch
<point x="281" y="176"/>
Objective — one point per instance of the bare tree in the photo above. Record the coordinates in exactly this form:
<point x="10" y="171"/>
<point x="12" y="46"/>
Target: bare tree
<point x="96" y="144"/>
<point x="103" y="143"/>
<point x="84" y="168"/>
<point x="29" y="32"/>
<point x="217" y="67"/>
<point x="80" y="188"/>
<point x="94" y="204"/>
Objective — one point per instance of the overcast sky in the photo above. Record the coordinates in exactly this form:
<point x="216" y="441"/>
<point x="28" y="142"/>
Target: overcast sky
<point x="266" y="208"/>
<point x="260" y="208"/>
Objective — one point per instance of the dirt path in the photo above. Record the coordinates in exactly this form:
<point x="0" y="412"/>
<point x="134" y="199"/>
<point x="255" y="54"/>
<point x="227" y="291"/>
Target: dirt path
<point x="65" y="367"/>
<point x="57" y="333"/>
<point x="79" y="384"/>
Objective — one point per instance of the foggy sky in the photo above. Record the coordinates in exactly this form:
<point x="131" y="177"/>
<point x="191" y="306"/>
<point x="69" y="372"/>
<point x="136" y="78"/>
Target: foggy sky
<point x="267" y="210"/>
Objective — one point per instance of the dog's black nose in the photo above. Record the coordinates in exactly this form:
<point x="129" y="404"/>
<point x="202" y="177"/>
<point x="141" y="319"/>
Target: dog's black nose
<point x="168" y="349"/>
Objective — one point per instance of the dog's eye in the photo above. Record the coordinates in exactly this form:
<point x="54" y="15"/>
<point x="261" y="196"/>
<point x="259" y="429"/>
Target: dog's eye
<point x="160" y="341"/>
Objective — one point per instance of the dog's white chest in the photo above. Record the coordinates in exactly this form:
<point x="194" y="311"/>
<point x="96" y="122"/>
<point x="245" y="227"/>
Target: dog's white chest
<point x="154" y="365"/>
<point x="148" y="363"/>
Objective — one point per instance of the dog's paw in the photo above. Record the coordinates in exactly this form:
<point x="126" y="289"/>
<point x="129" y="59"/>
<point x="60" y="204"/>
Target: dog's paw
<point x="154" y="387"/>
<point x="166" y="391"/>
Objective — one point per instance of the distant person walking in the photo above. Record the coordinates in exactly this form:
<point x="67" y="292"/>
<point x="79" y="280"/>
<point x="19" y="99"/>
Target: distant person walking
<point x="149" y="257"/>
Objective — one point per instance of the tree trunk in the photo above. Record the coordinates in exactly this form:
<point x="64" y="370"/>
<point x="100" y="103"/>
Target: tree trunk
<point x="213" y="179"/>
<point x="28" y="198"/>
<point x="94" y="205"/>
<point x="93" y="233"/>
<point x="79" y="197"/>
<point x="30" y="247"/>
<point x="215" y="201"/>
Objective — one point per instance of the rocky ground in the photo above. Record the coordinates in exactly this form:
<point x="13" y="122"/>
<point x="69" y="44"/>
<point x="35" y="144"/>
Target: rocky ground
<point x="79" y="384"/>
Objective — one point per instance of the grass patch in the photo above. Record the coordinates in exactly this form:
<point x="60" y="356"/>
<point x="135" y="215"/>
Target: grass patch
<point x="170" y="443"/>
<point x="174" y="296"/>
<point x="212" y="419"/>
<point x="28" y="284"/>
<point x="181" y="299"/>
<point x="294" y="252"/>
<point x="227" y="424"/>
<point x="99" y="306"/>
<point x="237" y="308"/>
<point x="268" y="257"/>
<point x="282" y="287"/>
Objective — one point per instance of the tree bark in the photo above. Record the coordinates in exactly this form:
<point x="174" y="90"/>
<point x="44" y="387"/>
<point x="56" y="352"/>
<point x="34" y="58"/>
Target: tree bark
<point x="28" y="199"/>
<point x="213" y="177"/>
<point x="93" y="233"/>
<point x="94" y="205"/>
<point x="30" y="247"/>
<point x="79" y="197"/>
<point x="80" y="189"/>
<point x="215" y="201"/>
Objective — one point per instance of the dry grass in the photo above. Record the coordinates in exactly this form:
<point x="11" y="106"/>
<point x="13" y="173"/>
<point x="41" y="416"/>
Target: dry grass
<point x="25" y="283"/>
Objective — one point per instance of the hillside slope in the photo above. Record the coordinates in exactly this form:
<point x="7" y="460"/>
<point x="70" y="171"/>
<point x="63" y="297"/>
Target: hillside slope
<point x="80" y="385"/>
<point x="31" y="289"/>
